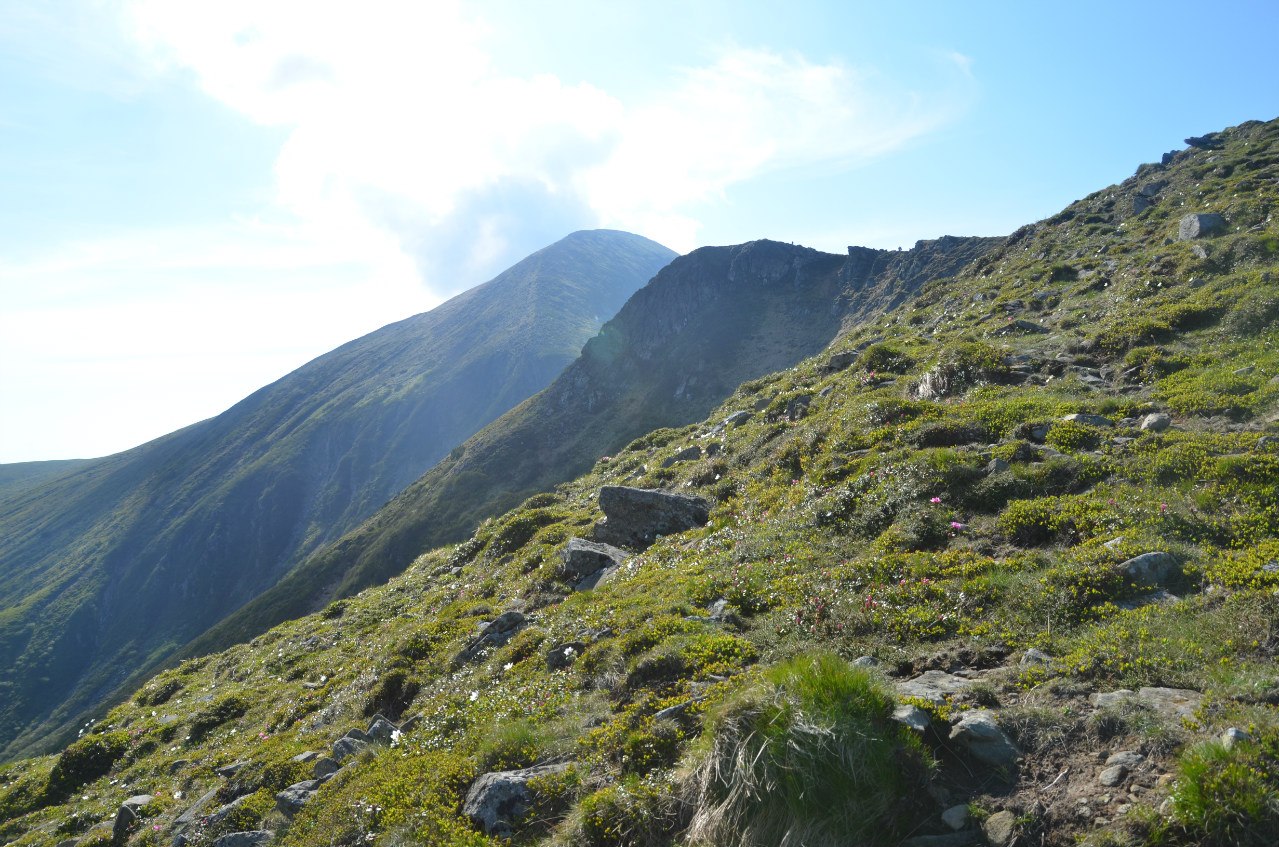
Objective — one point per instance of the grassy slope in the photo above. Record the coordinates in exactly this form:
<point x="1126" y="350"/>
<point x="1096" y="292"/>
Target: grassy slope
<point x="194" y="524"/>
<point x="870" y="525"/>
<point x="705" y="324"/>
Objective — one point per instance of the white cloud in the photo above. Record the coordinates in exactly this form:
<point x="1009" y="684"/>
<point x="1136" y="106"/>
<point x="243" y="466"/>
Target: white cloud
<point x="399" y="120"/>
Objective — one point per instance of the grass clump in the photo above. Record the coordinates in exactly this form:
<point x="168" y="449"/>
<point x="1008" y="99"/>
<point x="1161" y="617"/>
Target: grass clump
<point x="1226" y="796"/>
<point x="807" y="756"/>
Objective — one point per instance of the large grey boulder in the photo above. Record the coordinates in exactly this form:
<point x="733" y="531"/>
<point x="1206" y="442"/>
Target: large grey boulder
<point x="497" y="801"/>
<point x="1200" y="226"/>
<point x="126" y="818"/>
<point x="635" y="517"/>
<point x="381" y="730"/>
<point x="978" y="732"/>
<point x="348" y="746"/>
<point x="587" y="563"/>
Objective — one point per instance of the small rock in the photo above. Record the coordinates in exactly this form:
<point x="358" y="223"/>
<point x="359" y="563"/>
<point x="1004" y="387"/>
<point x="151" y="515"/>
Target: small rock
<point x="358" y="734"/>
<point x="737" y="418"/>
<point x="1000" y="828"/>
<point x="995" y="466"/>
<point x="1035" y="657"/>
<point x="1113" y="776"/>
<point x="865" y="662"/>
<point x="956" y="817"/>
<point x="979" y="733"/>
<point x="1128" y="758"/>
<point x="230" y="770"/>
<point x="195" y="811"/>
<point x="125" y="820"/>
<point x="670" y="713"/>
<point x="324" y="768"/>
<point x="1233" y="736"/>
<point x="1090" y="420"/>
<point x="137" y="801"/>
<point x="563" y="655"/>
<point x="839" y="361"/>
<point x="585" y="562"/>
<point x="1155" y="422"/>
<point x="912" y="716"/>
<point x="688" y="454"/>
<point x="308" y="756"/>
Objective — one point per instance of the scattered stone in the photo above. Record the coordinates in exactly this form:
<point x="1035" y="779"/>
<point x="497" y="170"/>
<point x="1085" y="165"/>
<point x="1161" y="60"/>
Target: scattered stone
<point x="494" y="633"/>
<point x="1039" y="432"/>
<point x="382" y="730"/>
<point x="587" y="563"/>
<point x="291" y="800"/>
<point x="688" y="454"/>
<point x="865" y="662"/>
<point x="308" y="756"/>
<point x="1200" y="226"/>
<point x="956" y="817"/>
<point x="912" y="716"/>
<point x="253" y="838"/>
<point x="635" y="517"/>
<point x="1035" y="657"/>
<point x="1020" y="325"/>
<point x="1128" y="758"/>
<point x="563" y="655"/>
<point x="358" y="734"/>
<point x="995" y="466"/>
<point x="1090" y="420"/>
<point x="1000" y="828"/>
<point x="1154" y="568"/>
<point x="718" y="610"/>
<point x="324" y="768"/>
<point x="934" y="686"/>
<point x="979" y="733"/>
<point x="227" y="810"/>
<point x="670" y="713"/>
<point x="497" y="801"/>
<point x="1233" y="736"/>
<point x="1113" y="776"/>
<point x="1155" y="422"/>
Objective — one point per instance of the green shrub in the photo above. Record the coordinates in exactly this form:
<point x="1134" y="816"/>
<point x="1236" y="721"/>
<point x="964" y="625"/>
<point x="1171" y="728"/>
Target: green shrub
<point x="1227" y="797"/>
<point x="86" y="760"/>
<point x="634" y="813"/>
<point x="1072" y="436"/>
<point x="809" y="755"/>
<point x="884" y="358"/>
<point x="217" y="713"/>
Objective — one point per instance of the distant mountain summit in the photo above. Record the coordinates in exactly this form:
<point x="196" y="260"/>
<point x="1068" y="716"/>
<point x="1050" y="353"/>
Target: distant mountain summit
<point x="107" y="567"/>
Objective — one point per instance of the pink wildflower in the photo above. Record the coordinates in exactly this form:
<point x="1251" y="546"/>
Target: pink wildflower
<point x="934" y="500"/>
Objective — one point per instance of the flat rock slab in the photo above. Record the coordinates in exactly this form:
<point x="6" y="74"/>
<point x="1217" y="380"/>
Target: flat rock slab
<point x="1171" y="703"/>
<point x="934" y="686"/>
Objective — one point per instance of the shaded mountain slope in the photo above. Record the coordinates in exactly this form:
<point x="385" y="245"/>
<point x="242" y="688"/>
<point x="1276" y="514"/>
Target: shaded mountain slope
<point x="106" y="570"/>
<point x="708" y="322"/>
<point x="1009" y="576"/>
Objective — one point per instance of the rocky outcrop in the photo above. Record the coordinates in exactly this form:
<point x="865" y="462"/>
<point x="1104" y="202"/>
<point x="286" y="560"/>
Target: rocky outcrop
<point x="1200" y="226"/>
<point x="636" y="517"/>
<point x="588" y="563"/>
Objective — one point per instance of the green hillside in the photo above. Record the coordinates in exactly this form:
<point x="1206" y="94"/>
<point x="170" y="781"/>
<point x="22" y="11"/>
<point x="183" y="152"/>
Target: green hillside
<point x="106" y="570"/>
<point x="999" y="566"/>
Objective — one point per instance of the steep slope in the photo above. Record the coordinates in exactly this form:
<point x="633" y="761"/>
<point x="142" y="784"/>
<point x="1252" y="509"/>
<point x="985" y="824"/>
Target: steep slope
<point x="104" y="571"/>
<point x="708" y="322"/>
<point x="19" y="475"/>
<point x="1044" y="509"/>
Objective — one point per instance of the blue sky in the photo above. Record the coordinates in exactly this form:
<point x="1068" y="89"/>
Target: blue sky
<point x="198" y="198"/>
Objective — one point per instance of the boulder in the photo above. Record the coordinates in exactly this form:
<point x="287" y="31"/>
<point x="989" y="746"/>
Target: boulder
<point x="346" y="747"/>
<point x="839" y="361"/>
<point x="586" y="563"/>
<point x="635" y="517"/>
<point x="291" y="800"/>
<point x="324" y="768"/>
<point x="978" y="732"/>
<point x="1000" y="828"/>
<point x="126" y="818"/>
<point x="912" y="717"/>
<point x="1155" y="422"/>
<point x="497" y="801"/>
<point x="1200" y="226"/>
<point x="382" y="730"/>
<point x="252" y="838"/>
<point x="230" y="770"/>
<point x="1154" y="568"/>
<point x="194" y="812"/>
<point x="956" y="817"/>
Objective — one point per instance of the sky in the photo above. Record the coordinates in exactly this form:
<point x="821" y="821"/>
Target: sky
<point x="197" y="198"/>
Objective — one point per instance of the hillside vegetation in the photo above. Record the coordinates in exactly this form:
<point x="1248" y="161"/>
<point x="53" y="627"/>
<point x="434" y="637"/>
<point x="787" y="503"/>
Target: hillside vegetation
<point x="108" y="566"/>
<point x="999" y="566"/>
